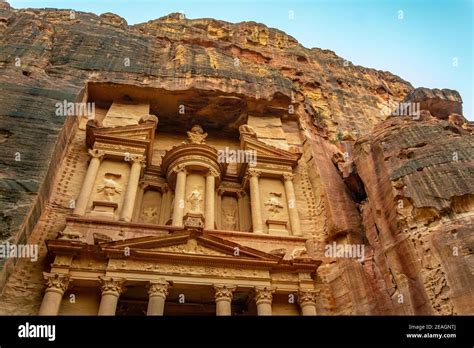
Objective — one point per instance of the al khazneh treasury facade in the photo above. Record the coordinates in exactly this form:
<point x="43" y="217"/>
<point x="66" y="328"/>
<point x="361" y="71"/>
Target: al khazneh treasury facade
<point x="185" y="221"/>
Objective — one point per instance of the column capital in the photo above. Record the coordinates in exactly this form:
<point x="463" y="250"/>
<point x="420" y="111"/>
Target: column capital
<point x="180" y="168"/>
<point x="212" y="172"/>
<point x="264" y="294"/>
<point x="307" y="297"/>
<point x="224" y="292"/>
<point x="158" y="288"/>
<point x="112" y="286"/>
<point x="56" y="282"/>
<point x="140" y="159"/>
<point x="94" y="153"/>
<point x="254" y="172"/>
<point x="240" y="194"/>
<point x="288" y="176"/>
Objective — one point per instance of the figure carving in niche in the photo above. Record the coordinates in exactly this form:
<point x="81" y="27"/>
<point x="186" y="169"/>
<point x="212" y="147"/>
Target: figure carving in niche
<point x="150" y="215"/>
<point x="195" y="199"/>
<point x="110" y="188"/>
<point x="273" y="203"/>
<point x="196" y="135"/>
<point x="230" y="222"/>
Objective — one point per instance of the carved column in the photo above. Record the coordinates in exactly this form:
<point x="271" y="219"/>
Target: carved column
<point x="56" y="285"/>
<point x="88" y="183"/>
<point x="255" y="201"/>
<point x="291" y="199"/>
<point x="307" y="302"/>
<point x="218" y="209"/>
<point x="132" y="187"/>
<point x="223" y="296"/>
<point x="157" y="295"/>
<point x="210" y="195"/>
<point x="179" y="191"/>
<point x="138" y="203"/>
<point x="263" y="299"/>
<point x="164" y="203"/>
<point x="111" y="290"/>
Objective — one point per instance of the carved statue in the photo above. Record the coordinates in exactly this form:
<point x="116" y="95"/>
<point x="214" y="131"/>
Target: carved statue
<point x="150" y="215"/>
<point x="273" y="203"/>
<point x="197" y="135"/>
<point x="195" y="199"/>
<point x="230" y="222"/>
<point x="109" y="188"/>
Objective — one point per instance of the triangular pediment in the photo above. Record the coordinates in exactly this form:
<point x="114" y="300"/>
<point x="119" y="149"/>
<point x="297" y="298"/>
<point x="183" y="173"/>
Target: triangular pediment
<point x="188" y="243"/>
<point x="269" y="153"/>
<point x="143" y="131"/>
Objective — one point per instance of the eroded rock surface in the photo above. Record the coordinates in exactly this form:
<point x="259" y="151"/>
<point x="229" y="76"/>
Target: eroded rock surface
<point x="404" y="188"/>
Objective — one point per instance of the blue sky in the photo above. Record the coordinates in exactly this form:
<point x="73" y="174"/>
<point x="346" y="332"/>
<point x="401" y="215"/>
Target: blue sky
<point x="429" y="43"/>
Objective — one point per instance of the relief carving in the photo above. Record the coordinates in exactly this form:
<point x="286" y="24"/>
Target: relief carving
<point x="230" y="221"/>
<point x="273" y="203"/>
<point x="110" y="188"/>
<point x="150" y="215"/>
<point x="195" y="199"/>
<point x="197" y="135"/>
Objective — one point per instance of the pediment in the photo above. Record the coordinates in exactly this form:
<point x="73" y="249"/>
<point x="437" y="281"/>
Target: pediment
<point x="188" y="243"/>
<point x="143" y="131"/>
<point x="269" y="153"/>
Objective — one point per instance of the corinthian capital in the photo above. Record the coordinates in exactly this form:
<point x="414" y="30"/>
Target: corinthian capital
<point x="306" y="297"/>
<point x="94" y="153"/>
<point x="111" y="285"/>
<point x="254" y="172"/>
<point x="180" y="168"/>
<point x="264" y="294"/>
<point x="56" y="282"/>
<point x="224" y="292"/>
<point x="137" y="159"/>
<point x="158" y="288"/>
<point x="213" y="172"/>
<point x="288" y="176"/>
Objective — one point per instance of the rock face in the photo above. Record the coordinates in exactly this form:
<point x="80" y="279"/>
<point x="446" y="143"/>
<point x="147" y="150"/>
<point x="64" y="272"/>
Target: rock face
<point x="402" y="186"/>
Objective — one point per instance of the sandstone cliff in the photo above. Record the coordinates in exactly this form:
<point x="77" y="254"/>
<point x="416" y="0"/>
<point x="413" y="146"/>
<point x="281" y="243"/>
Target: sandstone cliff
<point x="406" y="189"/>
